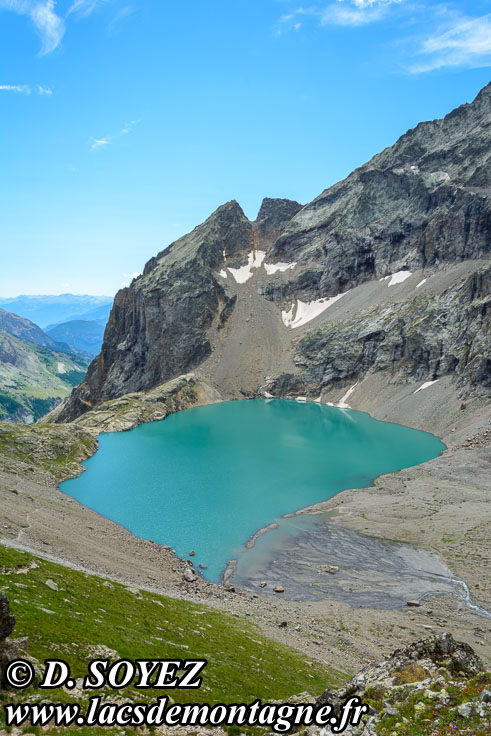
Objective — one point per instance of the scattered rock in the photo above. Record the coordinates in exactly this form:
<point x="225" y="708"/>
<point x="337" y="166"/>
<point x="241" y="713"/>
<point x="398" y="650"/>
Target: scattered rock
<point x="51" y="584"/>
<point x="331" y="569"/>
<point x="413" y="604"/>
<point x="189" y="574"/>
<point x="279" y="589"/>
<point x="192" y="553"/>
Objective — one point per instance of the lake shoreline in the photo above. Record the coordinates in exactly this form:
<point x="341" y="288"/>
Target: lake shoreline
<point x="45" y="521"/>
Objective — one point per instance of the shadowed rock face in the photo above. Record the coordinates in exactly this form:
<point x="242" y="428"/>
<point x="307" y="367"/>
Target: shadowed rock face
<point x="7" y="619"/>
<point x="7" y="650"/>
<point x="420" y="204"/>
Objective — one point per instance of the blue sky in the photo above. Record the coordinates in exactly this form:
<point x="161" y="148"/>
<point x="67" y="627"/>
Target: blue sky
<point x="124" y="124"/>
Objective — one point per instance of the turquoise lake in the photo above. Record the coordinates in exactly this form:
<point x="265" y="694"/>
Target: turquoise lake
<point x="206" y="479"/>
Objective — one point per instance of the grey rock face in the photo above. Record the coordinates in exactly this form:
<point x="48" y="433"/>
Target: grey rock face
<point x="421" y="204"/>
<point x="7" y="650"/>
<point x="424" y="339"/>
<point x="157" y="328"/>
<point x="7" y="619"/>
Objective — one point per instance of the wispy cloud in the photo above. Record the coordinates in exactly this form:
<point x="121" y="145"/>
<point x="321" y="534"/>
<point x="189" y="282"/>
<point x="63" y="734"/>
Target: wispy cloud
<point x="466" y="43"/>
<point x="25" y="89"/>
<point x="49" y="25"/>
<point x="83" y="8"/>
<point x="19" y="88"/>
<point x="100" y="142"/>
<point x="293" y="21"/>
<point x="339" y="13"/>
<point x="356" y="12"/>
<point x="442" y="37"/>
<point x="115" y="24"/>
<point x="97" y="143"/>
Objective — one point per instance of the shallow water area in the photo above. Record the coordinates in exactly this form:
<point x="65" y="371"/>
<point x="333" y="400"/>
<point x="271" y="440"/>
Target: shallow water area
<point x="313" y="558"/>
<point x="206" y="479"/>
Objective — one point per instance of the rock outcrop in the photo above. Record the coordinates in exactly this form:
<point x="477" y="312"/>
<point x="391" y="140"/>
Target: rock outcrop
<point x="436" y="678"/>
<point x="8" y="650"/>
<point x="425" y="338"/>
<point x="306" y="298"/>
<point x="133" y="409"/>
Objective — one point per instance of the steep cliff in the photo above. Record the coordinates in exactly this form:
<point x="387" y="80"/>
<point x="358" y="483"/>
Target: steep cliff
<point x="385" y="272"/>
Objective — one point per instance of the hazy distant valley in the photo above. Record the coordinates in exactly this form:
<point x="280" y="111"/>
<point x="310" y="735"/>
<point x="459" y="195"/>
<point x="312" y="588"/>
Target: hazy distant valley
<point x="40" y="363"/>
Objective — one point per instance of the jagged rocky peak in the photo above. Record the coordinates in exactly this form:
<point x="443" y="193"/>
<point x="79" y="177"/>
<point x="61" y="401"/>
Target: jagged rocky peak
<point x="226" y="229"/>
<point x="276" y="213"/>
<point x="419" y="203"/>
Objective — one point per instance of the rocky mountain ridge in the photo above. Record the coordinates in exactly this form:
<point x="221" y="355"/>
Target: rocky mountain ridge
<point x="384" y="273"/>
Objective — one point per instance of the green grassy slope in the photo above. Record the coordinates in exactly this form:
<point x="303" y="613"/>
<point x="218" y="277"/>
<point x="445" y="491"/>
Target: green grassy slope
<point x="33" y="379"/>
<point x="87" y="614"/>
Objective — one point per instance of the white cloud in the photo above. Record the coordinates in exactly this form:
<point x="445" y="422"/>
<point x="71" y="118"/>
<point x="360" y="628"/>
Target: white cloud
<point x="356" y="12"/>
<point x="21" y="88"/>
<point x="128" y="127"/>
<point x="339" y="13"/>
<point x="109" y="139"/>
<point x="115" y="24"/>
<point x="49" y="25"/>
<point x="100" y="142"/>
<point x="83" y="8"/>
<point x="25" y="89"/>
<point x="467" y="43"/>
<point x="42" y="13"/>
<point x="371" y="3"/>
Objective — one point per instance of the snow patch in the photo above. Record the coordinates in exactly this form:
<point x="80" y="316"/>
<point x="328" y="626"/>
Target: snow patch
<point x="397" y="278"/>
<point x="287" y="317"/>
<point x="425" y="385"/>
<point x="421" y="283"/>
<point x="61" y="368"/>
<point x="223" y="274"/>
<point x="301" y="398"/>
<point x="244" y="273"/>
<point x="307" y="311"/>
<point x="342" y="403"/>
<point x="274" y="267"/>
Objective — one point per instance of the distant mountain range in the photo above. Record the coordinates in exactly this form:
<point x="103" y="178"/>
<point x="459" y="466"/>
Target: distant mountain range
<point x="70" y="322"/>
<point x="83" y="334"/>
<point x="36" y="371"/>
<point x="51" y="310"/>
